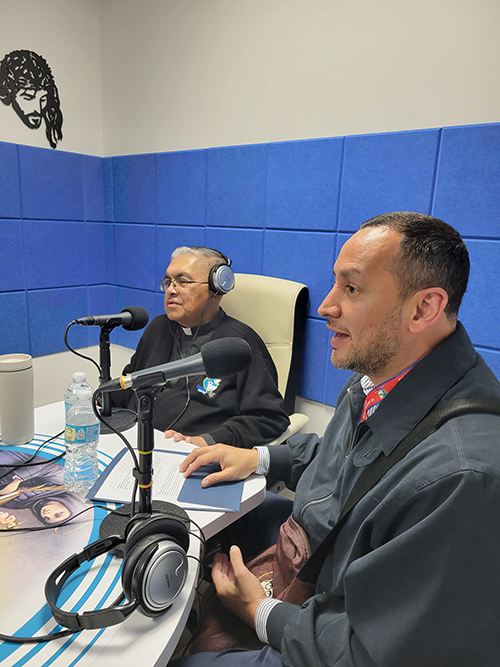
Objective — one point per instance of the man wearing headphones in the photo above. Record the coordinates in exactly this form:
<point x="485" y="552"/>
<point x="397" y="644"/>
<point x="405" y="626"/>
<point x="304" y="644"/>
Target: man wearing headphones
<point x="244" y="410"/>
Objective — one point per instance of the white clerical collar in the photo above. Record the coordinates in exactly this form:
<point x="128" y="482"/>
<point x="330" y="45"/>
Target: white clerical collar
<point x="188" y="332"/>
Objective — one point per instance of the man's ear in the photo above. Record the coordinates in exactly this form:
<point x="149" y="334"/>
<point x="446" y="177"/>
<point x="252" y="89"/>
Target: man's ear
<point x="427" y="308"/>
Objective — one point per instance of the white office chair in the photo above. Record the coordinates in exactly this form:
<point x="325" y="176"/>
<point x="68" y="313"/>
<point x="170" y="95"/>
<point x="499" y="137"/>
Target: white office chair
<point x="276" y="309"/>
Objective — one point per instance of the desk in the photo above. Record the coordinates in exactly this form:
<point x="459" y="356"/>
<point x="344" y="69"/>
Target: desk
<point x="139" y="640"/>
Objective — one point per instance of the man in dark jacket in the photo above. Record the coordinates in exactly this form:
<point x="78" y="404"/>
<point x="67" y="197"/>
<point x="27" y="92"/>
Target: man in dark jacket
<point x="413" y="576"/>
<point x="244" y="410"/>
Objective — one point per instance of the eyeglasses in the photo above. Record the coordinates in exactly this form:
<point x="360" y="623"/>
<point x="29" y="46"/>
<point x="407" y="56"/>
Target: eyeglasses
<point x="181" y="283"/>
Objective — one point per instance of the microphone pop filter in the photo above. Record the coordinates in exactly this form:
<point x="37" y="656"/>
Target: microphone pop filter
<point x="140" y="318"/>
<point x="225" y="357"/>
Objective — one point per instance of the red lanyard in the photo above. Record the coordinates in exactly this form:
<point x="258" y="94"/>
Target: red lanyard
<point x="378" y="393"/>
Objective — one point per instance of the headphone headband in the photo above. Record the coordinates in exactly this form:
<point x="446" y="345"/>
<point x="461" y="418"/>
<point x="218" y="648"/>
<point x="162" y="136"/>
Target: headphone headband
<point x="154" y="571"/>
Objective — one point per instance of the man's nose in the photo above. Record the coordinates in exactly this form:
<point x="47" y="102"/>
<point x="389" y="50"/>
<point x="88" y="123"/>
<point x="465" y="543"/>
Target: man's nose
<point x="330" y="306"/>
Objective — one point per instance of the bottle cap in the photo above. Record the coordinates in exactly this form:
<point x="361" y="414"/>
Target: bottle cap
<point x="79" y="377"/>
<point x="84" y="393"/>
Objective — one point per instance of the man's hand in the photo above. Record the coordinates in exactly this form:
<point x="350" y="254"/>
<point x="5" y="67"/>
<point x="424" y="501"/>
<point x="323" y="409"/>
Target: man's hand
<point x="196" y="440"/>
<point x="238" y="589"/>
<point x="235" y="463"/>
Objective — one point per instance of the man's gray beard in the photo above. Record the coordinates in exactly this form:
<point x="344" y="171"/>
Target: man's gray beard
<point x="372" y="360"/>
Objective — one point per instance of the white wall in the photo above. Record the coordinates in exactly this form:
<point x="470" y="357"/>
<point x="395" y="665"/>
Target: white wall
<point x="52" y="372"/>
<point x="182" y="74"/>
<point x="67" y="34"/>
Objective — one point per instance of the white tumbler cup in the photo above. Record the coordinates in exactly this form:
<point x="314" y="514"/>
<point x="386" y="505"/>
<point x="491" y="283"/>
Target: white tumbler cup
<point x="17" y="403"/>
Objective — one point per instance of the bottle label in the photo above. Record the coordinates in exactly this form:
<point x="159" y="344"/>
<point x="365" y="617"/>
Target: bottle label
<point x="78" y="434"/>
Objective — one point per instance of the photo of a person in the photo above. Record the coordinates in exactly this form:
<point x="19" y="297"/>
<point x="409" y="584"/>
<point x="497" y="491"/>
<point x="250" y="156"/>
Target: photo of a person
<point x="27" y="84"/>
<point x="37" y="487"/>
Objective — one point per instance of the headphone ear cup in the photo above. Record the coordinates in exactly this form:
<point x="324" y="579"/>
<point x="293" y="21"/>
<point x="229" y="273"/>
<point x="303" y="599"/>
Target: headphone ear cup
<point x="162" y="526"/>
<point x="155" y="563"/>
<point x="221" y="279"/>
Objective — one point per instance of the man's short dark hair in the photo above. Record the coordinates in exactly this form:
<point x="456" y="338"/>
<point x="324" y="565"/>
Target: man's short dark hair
<point x="432" y="254"/>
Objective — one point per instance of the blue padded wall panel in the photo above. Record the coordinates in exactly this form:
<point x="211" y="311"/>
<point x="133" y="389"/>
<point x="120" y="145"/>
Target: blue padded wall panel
<point x="303" y="184"/>
<point x="306" y="257"/>
<point x="134" y="191"/>
<point x="387" y="172"/>
<point x="314" y="361"/>
<point x="107" y="175"/>
<point x="481" y="303"/>
<point x="10" y="201"/>
<point x="132" y="297"/>
<point x="11" y="256"/>
<point x="244" y="247"/>
<point x="135" y="254"/>
<point x="51" y="184"/>
<point x="14" y="330"/>
<point x="168" y="238"/>
<point x="100" y="253"/>
<point x="101" y="301"/>
<point x="50" y="312"/>
<point x="236" y="186"/>
<point x="334" y="380"/>
<point x="492" y="358"/>
<point x="468" y="180"/>
<point x="55" y="253"/>
<point x="181" y="187"/>
<point x="93" y="188"/>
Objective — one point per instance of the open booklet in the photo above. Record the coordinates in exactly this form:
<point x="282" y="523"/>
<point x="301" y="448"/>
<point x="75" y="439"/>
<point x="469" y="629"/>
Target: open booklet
<point x="116" y="483"/>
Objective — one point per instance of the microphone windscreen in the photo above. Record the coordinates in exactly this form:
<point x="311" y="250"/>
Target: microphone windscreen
<point x="225" y="357"/>
<point x="140" y="318"/>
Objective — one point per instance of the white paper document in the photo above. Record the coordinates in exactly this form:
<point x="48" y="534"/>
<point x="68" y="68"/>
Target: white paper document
<point x="116" y="484"/>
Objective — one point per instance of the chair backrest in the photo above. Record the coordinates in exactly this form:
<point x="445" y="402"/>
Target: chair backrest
<point x="276" y="309"/>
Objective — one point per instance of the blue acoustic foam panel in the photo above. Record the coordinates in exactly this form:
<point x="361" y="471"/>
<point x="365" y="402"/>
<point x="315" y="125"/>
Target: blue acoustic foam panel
<point x="14" y="330"/>
<point x="467" y="185"/>
<point x="244" y="247"/>
<point x="49" y="313"/>
<point x="303" y="184"/>
<point x="100" y="252"/>
<point x="481" y="303"/>
<point x="11" y="256"/>
<point x="387" y="172"/>
<point x="132" y="297"/>
<point x="168" y="238"/>
<point x="306" y="257"/>
<point x="51" y="184"/>
<point x="135" y="253"/>
<point x="236" y="186"/>
<point x="10" y="200"/>
<point x="55" y="254"/>
<point x="93" y="188"/>
<point x="492" y="358"/>
<point x="181" y="188"/>
<point x="101" y="301"/>
<point x="134" y="188"/>
<point x="311" y="383"/>
<point x="107" y="175"/>
<point x="334" y="379"/>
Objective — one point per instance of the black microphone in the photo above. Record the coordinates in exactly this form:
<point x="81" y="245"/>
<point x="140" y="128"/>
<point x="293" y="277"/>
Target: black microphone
<point x="218" y="359"/>
<point x="131" y="319"/>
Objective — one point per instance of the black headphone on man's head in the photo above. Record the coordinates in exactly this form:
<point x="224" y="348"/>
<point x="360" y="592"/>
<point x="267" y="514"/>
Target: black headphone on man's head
<point x="154" y="570"/>
<point x="221" y="276"/>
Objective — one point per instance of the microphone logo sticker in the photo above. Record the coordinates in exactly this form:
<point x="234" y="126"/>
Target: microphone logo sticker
<point x="209" y="386"/>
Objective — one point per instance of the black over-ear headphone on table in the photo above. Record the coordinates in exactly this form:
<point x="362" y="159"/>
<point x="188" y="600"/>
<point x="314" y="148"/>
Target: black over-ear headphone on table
<point x="154" y="570"/>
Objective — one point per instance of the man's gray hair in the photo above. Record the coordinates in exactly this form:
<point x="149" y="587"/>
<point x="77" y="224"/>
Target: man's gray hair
<point x="201" y="251"/>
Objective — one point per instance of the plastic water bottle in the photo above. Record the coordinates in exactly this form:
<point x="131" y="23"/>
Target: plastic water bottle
<point x="79" y="381"/>
<point x="82" y="437"/>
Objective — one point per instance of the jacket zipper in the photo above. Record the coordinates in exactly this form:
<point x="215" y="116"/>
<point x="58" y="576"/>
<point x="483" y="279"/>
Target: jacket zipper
<point x="352" y="428"/>
<point x="352" y="433"/>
